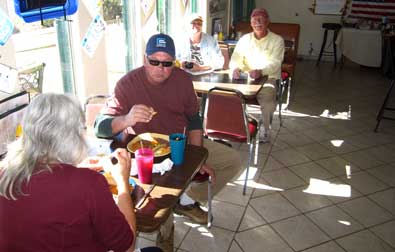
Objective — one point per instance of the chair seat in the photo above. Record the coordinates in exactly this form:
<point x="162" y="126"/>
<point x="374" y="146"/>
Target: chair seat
<point x="284" y="75"/>
<point x="252" y="127"/>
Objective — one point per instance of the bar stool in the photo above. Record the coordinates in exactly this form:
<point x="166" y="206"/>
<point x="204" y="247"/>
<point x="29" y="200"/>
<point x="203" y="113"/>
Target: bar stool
<point x="329" y="27"/>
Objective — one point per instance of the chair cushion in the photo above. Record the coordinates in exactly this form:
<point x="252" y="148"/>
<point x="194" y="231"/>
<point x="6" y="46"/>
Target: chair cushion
<point x="252" y="127"/>
<point x="284" y="75"/>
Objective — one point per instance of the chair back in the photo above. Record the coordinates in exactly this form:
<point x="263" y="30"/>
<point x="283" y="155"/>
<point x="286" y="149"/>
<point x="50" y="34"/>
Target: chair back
<point x="290" y="33"/>
<point x="225" y="115"/>
<point x="31" y="78"/>
<point x="92" y="107"/>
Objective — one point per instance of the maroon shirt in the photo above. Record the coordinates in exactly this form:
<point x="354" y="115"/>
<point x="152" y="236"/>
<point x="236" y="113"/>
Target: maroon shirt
<point x="174" y="100"/>
<point x="70" y="209"/>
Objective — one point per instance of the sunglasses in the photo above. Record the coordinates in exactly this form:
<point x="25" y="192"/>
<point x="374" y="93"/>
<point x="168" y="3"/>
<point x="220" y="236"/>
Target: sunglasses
<point x="157" y="62"/>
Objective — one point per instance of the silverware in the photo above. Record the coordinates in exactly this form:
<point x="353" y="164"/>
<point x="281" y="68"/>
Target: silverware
<point x="146" y="194"/>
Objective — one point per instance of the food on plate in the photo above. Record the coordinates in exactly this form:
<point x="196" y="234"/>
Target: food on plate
<point x="158" y="145"/>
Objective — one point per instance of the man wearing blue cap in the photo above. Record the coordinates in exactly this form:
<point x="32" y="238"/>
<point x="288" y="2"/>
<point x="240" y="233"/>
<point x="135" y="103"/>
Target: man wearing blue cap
<point x="160" y="87"/>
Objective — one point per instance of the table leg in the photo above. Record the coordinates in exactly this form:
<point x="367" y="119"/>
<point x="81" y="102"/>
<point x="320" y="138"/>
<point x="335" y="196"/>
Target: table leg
<point x="165" y="238"/>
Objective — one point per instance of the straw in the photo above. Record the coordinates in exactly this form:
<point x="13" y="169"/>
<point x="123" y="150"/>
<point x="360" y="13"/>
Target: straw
<point x="142" y="147"/>
<point x="184" y="131"/>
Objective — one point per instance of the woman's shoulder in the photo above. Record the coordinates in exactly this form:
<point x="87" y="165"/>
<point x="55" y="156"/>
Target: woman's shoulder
<point x="77" y="174"/>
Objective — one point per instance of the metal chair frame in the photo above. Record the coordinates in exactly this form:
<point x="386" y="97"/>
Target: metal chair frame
<point x="249" y="139"/>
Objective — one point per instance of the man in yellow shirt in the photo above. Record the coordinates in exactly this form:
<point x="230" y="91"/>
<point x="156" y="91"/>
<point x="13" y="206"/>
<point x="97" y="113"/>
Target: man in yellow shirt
<point x="259" y="53"/>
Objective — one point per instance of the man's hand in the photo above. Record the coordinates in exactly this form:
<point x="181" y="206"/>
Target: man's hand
<point x="206" y="169"/>
<point x="236" y="74"/>
<point x="139" y="113"/>
<point x="255" y="74"/>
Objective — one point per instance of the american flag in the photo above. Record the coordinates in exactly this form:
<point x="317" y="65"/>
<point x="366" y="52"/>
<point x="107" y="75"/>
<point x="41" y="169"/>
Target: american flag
<point x="373" y="9"/>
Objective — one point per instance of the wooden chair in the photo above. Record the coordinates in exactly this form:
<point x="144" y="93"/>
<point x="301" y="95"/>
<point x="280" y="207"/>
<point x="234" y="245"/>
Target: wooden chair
<point x="239" y="127"/>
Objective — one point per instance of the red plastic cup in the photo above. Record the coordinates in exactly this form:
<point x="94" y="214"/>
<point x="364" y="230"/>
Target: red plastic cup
<point x="145" y="160"/>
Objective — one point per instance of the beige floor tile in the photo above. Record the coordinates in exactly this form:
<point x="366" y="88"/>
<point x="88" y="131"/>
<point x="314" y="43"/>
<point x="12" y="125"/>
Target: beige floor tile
<point x="261" y="239"/>
<point x="342" y="191"/>
<point x="201" y="239"/>
<point x="279" y="145"/>
<point x="298" y="124"/>
<point x="364" y="182"/>
<point x="295" y="140"/>
<point x="305" y="201"/>
<point x="326" y="247"/>
<point x="363" y="241"/>
<point x="366" y="211"/>
<point x="385" y="173"/>
<point x="182" y="225"/>
<point x="383" y="153"/>
<point x="263" y="188"/>
<point x="319" y="134"/>
<point x="386" y="232"/>
<point x="233" y="193"/>
<point x="272" y="164"/>
<point x="251" y="219"/>
<point x="235" y="247"/>
<point x="385" y="199"/>
<point x="282" y="178"/>
<point x="363" y="160"/>
<point x="273" y="207"/>
<point x="334" y="221"/>
<point x="300" y="232"/>
<point x="311" y="170"/>
<point x="338" y="166"/>
<point x="339" y="145"/>
<point x="290" y="157"/>
<point x="226" y="215"/>
<point x="315" y="151"/>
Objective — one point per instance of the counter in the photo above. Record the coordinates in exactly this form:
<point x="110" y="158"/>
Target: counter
<point x="361" y="46"/>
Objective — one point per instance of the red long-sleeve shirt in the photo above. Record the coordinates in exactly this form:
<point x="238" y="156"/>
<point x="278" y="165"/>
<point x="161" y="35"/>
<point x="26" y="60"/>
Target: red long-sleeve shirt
<point x="68" y="209"/>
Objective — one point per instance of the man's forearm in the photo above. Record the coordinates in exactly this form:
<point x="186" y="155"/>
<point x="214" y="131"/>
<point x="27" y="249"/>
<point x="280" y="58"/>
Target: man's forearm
<point x="108" y="126"/>
<point x="118" y="124"/>
<point x="195" y="137"/>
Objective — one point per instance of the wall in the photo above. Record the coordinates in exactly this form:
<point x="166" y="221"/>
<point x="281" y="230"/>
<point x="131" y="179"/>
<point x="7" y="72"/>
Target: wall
<point x="297" y="11"/>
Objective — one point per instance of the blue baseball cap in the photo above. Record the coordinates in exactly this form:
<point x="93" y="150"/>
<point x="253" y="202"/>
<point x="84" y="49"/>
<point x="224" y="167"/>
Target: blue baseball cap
<point x="161" y="43"/>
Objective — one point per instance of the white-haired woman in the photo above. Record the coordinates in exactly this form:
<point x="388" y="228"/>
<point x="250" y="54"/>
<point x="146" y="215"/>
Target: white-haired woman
<point x="46" y="203"/>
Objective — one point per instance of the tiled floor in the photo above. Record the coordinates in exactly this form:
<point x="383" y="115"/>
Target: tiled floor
<point x="326" y="181"/>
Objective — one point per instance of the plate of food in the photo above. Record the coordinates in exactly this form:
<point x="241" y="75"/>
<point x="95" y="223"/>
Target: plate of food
<point x="158" y="143"/>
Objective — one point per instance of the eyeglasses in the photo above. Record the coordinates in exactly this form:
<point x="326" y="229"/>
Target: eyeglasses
<point x="157" y="62"/>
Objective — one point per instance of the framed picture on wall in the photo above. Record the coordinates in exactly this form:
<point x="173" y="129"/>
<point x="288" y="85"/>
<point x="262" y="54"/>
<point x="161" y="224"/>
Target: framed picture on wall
<point x="215" y="6"/>
<point x="216" y="25"/>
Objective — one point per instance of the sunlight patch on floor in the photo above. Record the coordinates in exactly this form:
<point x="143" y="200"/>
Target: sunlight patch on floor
<point x="253" y="184"/>
<point x="323" y="187"/>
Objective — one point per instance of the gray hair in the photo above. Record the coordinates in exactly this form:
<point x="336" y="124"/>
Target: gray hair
<point x="52" y="133"/>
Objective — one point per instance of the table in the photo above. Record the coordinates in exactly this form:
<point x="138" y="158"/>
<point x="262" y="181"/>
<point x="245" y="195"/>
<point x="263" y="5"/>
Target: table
<point x="168" y="188"/>
<point x="203" y="83"/>
<point x="361" y="46"/>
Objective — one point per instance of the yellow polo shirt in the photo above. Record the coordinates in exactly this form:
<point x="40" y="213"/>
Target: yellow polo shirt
<point x="265" y="54"/>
